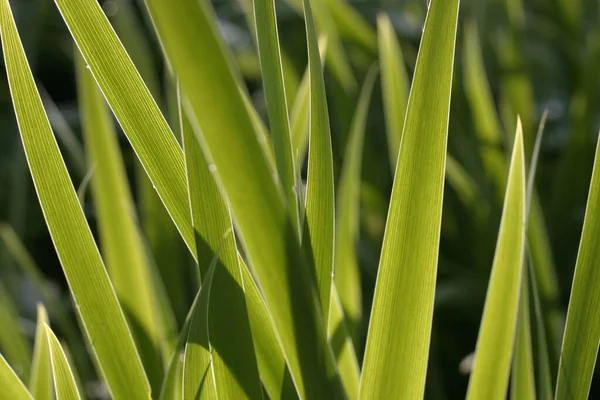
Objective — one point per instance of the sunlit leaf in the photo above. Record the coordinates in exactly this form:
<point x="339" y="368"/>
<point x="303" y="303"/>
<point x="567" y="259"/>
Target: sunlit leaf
<point x="40" y="382"/>
<point x="64" y="381"/>
<point x="395" y="361"/>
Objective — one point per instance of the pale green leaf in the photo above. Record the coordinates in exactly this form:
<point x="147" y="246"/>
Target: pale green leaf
<point x="300" y="112"/>
<point x="395" y="361"/>
<point x="394" y="83"/>
<point x="346" y="269"/>
<point x="319" y="222"/>
<point x="485" y="117"/>
<point x="199" y="380"/>
<point x="40" y="381"/>
<point x="274" y="373"/>
<point x="133" y="105"/>
<point x="274" y="87"/>
<point x="234" y="369"/>
<point x="12" y="387"/>
<point x="489" y="379"/>
<point x="120" y="239"/>
<point x="522" y="384"/>
<point x="64" y="382"/>
<point x="342" y="346"/>
<point x="582" y="331"/>
<point x="271" y="243"/>
<point x="88" y="280"/>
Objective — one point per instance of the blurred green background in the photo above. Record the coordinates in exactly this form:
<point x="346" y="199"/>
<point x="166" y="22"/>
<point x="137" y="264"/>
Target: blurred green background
<point x="538" y="54"/>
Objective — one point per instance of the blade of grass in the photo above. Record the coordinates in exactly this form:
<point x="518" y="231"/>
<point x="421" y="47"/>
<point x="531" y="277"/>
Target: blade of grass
<point x="87" y="278"/>
<point x="64" y="381"/>
<point x="351" y="25"/>
<point x="40" y="381"/>
<point x="12" y="341"/>
<point x="274" y="86"/>
<point x="234" y="369"/>
<point x="543" y="376"/>
<point x="347" y="270"/>
<point x="319" y="222"/>
<point x="12" y="387"/>
<point x="343" y="348"/>
<point x="300" y="112"/>
<point x="394" y="84"/>
<point x="404" y="292"/>
<point x="274" y="373"/>
<point x="256" y="201"/>
<point x="133" y="105"/>
<point x="487" y="124"/>
<point x="582" y="331"/>
<point x="489" y="378"/>
<point x="522" y="383"/>
<point x="121" y="243"/>
<point x="199" y="378"/>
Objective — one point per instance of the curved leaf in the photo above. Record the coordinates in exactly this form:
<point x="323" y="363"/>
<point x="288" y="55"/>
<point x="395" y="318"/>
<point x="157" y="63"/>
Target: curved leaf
<point x="64" y="381"/>
<point x="12" y="387"/>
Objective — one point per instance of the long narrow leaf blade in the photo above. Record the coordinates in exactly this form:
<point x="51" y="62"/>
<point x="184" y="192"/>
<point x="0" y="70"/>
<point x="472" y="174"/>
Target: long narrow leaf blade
<point x="40" y="382"/>
<point x="133" y="105"/>
<point x="199" y="380"/>
<point x="347" y="270"/>
<point x="88" y="280"/>
<point x="261" y="219"/>
<point x="582" y="332"/>
<point x="12" y="387"/>
<point x="319" y="223"/>
<point x="271" y="66"/>
<point x="64" y="381"/>
<point x="234" y="364"/>
<point x="522" y="385"/>
<point x="399" y="332"/>
<point x="120" y="238"/>
<point x="489" y="379"/>
<point x="395" y="85"/>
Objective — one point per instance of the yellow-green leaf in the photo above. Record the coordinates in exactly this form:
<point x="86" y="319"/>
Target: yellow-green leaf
<point x="88" y="280"/>
<point x="120" y="239"/>
<point x="234" y="370"/>
<point x="40" y="382"/>
<point x="582" y="331"/>
<point x="256" y="201"/>
<point x="12" y="387"/>
<point x="395" y="361"/>
<point x="489" y="379"/>
<point x="346" y="269"/>
<point x="64" y="381"/>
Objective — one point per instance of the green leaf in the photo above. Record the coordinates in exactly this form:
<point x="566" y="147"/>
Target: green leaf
<point x="485" y="117"/>
<point x="394" y="84"/>
<point x="133" y="105"/>
<point x="271" y="67"/>
<point x="522" y="384"/>
<point x="120" y="238"/>
<point x="234" y="370"/>
<point x="347" y="270"/>
<point x="64" y="382"/>
<point x="582" y="331"/>
<point x="541" y="350"/>
<point x="489" y="378"/>
<point x="300" y="112"/>
<point x="351" y="25"/>
<point x="274" y="373"/>
<point x="319" y="222"/>
<point x="342" y="346"/>
<point x="87" y="278"/>
<point x="40" y="382"/>
<point x="199" y="378"/>
<point x="12" y="341"/>
<point x="12" y="387"/>
<point x="256" y="202"/>
<point x="399" y="331"/>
